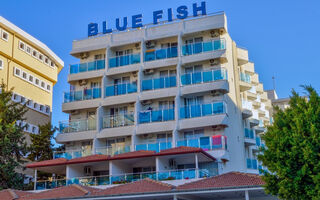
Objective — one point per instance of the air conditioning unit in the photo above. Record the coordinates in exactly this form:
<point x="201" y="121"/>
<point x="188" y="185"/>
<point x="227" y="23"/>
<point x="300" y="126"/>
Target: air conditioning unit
<point x="137" y="45"/>
<point x="172" y="164"/>
<point x="148" y="71"/>
<point x="87" y="170"/>
<point x="215" y="33"/>
<point x="214" y="62"/>
<point x="75" y="112"/>
<point x="146" y="102"/>
<point x="151" y="44"/>
<point x="134" y="74"/>
<point x="216" y="93"/>
<point x="84" y="55"/>
<point x="82" y="82"/>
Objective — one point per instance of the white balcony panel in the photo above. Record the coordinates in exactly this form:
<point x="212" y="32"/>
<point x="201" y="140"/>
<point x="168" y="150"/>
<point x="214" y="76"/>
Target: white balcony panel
<point x="197" y="122"/>
<point x="203" y="56"/>
<point x="85" y="75"/>
<point x="76" y="136"/>
<point x="120" y="99"/>
<point x="160" y="63"/>
<point x="116" y="132"/>
<point x="221" y="85"/>
<point x="160" y="93"/>
<point x="156" y="127"/>
<point x="123" y="69"/>
<point x="78" y="105"/>
<point x="243" y="57"/>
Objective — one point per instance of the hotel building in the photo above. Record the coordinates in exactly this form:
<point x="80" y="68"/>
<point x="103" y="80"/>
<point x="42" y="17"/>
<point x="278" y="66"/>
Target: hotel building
<point x="31" y="69"/>
<point x="173" y="102"/>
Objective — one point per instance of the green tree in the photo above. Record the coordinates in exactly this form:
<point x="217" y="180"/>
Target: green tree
<point x="41" y="147"/>
<point x="12" y="141"/>
<point x="292" y="153"/>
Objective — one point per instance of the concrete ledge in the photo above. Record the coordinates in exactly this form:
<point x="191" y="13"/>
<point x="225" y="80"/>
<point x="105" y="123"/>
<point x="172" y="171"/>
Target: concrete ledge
<point x="78" y="105"/>
<point x="76" y="136"/>
<point x="123" y="69"/>
<point x="203" y="56"/>
<point x="160" y="63"/>
<point x="115" y="132"/>
<point x="85" y="75"/>
<point x="221" y="85"/>
<point x="160" y="93"/>
<point x="120" y="99"/>
<point x="155" y="127"/>
<point x="196" y="122"/>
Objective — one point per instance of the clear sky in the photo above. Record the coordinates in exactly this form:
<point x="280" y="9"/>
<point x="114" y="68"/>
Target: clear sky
<point x="282" y="36"/>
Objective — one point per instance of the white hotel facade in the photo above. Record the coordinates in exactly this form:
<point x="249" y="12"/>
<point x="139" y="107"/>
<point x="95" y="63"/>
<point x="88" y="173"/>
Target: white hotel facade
<point x="176" y="101"/>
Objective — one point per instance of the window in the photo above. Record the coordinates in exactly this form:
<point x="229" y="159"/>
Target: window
<point x="15" y="96"/>
<point x="1" y="64"/>
<point x="52" y="64"/>
<point x="43" y="85"/>
<point x="23" y="100"/>
<point x="28" y="49"/>
<point x="22" y="45"/>
<point x="35" y="105"/>
<point x="40" y="57"/>
<point x="46" y="60"/>
<point x="193" y="134"/>
<point x="17" y="72"/>
<point x="37" y="82"/>
<point x="47" y="109"/>
<point x="48" y="87"/>
<point x="41" y="107"/>
<point x="31" y="78"/>
<point x="34" y="53"/>
<point x="24" y="75"/>
<point x="5" y="35"/>
<point x="34" y="129"/>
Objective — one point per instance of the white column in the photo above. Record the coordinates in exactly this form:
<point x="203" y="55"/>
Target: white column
<point x="35" y="179"/>
<point x="197" y="165"/>
<point x="175" y="197"/>
<point x="246" y="193"/>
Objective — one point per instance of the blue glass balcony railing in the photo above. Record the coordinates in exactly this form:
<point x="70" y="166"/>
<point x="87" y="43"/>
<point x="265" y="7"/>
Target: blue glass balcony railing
<point x="124" y="60"/>
<point x="156" y="146"/>
<point x="200" y="110"/>
<point x="157" y="54"/>
<point x="159" y="83"/>
<point x="86" y="67"/>
<point x="202" y="47"/>
<point x="113" y="121"/>
<point x="77" y="125"/>
<point x="149" y="116"/>
<point x="115" y="149"/>
<point x="252" y="163"/>
<point x="206" y="143"/>
<point x="70" y="154"/>
<point x="245" y="77"/>
<point x="204" y="77"/>
<point x="249" y="133"/>
<point x="258" y="141"/>
<point x="82" y="95"/>
<point x="121" y="89"/>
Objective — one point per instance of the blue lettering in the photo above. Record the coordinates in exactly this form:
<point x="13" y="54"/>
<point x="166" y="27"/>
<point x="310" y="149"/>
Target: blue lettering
<point x="157" y="15"/>
<point x="137" y="21"/>
<point x="125" y="24"/>
<point x="201" y="8"/>
<point x="183" y="12"/>
<point x="104" y="28"/>
<point x="92" y="29"/>
<point x="170" y="14"/>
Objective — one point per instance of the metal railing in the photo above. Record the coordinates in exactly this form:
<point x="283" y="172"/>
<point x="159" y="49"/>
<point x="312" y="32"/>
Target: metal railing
<point x="201" y="47"/>
<point x="119" y="61"/>
<point x="203" y="77"/>
<point x="112" y="121"/>
<point x="159" y="83"/>
<point x="82" y="95"/>
<point x="126" y="178"/>
<point x="149" y="116"/>
<point x="121" y="89"/>
<point x="158" y="54"/>
<point x="200" y="110"/>
<point x="77" y="125"/>
<point x="88" y="66"/>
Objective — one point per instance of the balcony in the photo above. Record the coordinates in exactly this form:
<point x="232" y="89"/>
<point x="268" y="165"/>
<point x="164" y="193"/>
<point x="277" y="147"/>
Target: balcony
<point x="159" y="54"/>
<point x="245" y="82"/>
<point x="202" y="115"/>
<point x="114" y="121"/>
<point x="151" y="88"/>
<point x="154" y="146"/>
<point x="82" y="95"/>
<point x="70" y="154"/>
<point x="243" y="57"/>
<point x="249" y="137"/>
<point x="217" y="142"/>
<point x="152" y="121"/>
<point x="121" y="89"/>
<point x="70" y="130"/>
<point x="115" y="149"/>
<point x="246" y="109"/>
<point x="252" y="164"/>
<point x="87" y="67"/>
<point x="183" y="174"/>
<point x="120" y="61"/>
<point x="156" y="115"/>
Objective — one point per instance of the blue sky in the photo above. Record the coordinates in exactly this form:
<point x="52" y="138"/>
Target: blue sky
<point x="282" y="36"/>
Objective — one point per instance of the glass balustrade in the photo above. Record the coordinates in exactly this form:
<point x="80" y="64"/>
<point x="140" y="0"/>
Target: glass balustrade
<point x="245" y="77"/>
<point x="258" y="141"/>
<point x="121" y="89"/>
<point x="200" y="110"/>
<point x="119" y="61"/>
<point x="204" y="77"/>
<point x="77" y="125"/>
<point x="201" y="47"/>
<point x="154" y="146"/>
<point x="115" y="149"/>
<point x="159" y="83"/>
<point x="158" y="54"/>
<point x="252" y="163"/>
<point x="86" y="94"/>
<point x="206" y="143"/>
<point x="86" y="67"/>
<point x="70" y="154"/>
<point x="249" y="133"/>
<point x="113" y="121"/>
<point x="149" y="116"/>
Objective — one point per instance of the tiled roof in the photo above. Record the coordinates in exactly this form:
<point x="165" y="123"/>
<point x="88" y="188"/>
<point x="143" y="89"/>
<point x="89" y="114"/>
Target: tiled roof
<point x="62" y="192"/>
<point x="143" y="186"/>
<point x="133" y="154"/>
<point x="46" y="163"/>
<point x="91" y="158"/>
<point x="232" y="179"/>
<point x="9" y="194"/>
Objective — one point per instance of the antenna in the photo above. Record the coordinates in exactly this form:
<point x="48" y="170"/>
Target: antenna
<point x="274" y="82"/>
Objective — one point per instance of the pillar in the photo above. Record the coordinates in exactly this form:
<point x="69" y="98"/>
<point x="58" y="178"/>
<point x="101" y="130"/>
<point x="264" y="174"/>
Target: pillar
<point x="197" y="165"/>
<point x="246" y="193"/>
<point x="35" y="179"/>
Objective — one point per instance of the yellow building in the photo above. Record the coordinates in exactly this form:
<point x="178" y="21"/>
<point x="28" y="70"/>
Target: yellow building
<point x="32" y="69"/>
